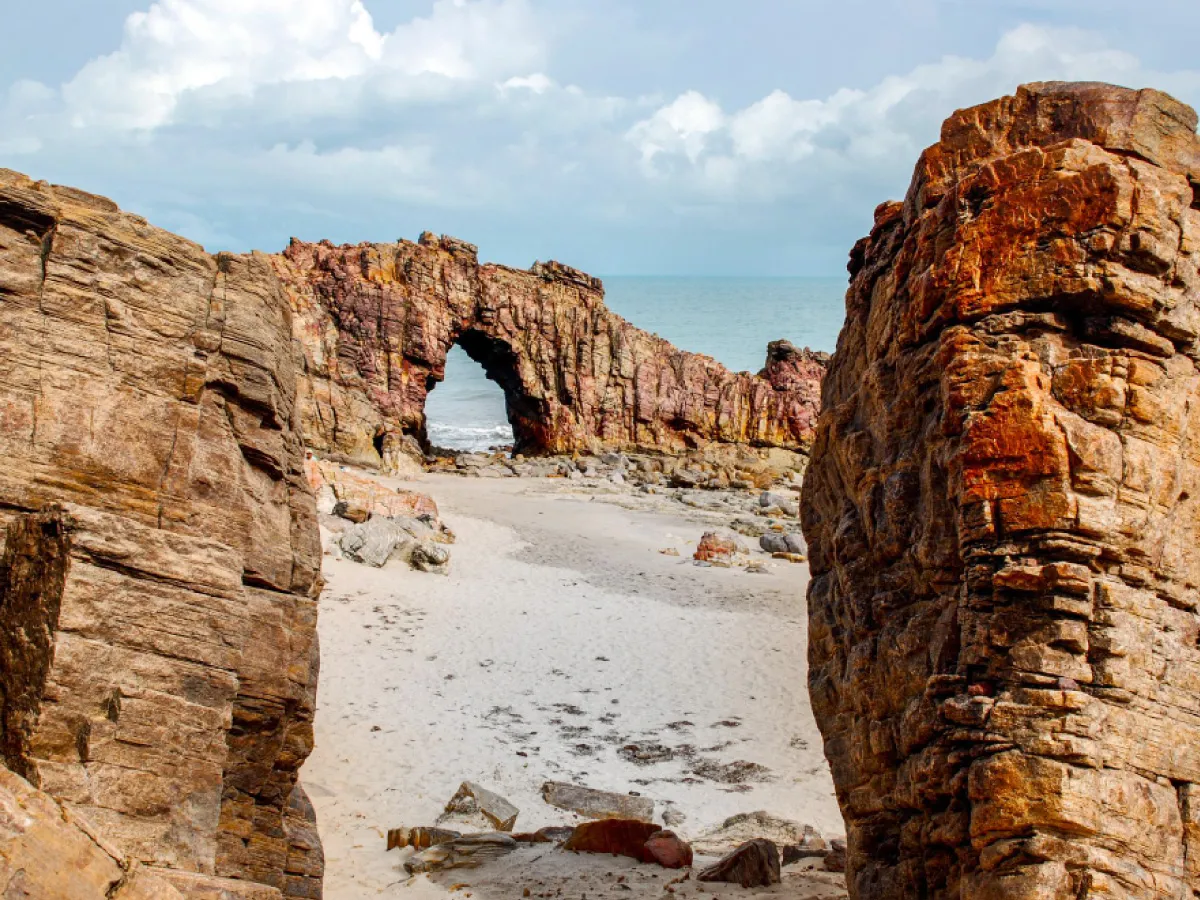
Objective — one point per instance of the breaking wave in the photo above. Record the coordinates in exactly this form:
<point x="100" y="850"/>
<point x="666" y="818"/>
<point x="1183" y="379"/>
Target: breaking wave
<point x="469" y="437"/>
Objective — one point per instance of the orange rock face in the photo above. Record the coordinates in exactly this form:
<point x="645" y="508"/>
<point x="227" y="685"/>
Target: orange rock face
<point x="375" y="322"/>
<point x="1001" y="511"/>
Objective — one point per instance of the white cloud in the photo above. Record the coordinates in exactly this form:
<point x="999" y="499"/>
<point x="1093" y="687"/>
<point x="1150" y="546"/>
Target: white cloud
<point x="537" y="82"/>
<point x="781" y="144"/>
<point x="231" y="48"/>
<point x="682" y="126"/>
<point x="239" y="121"/>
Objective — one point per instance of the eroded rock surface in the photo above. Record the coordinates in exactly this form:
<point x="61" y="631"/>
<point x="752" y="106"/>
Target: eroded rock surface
<point x="161" y="553"/>
<point x="1002" y="517"/>
<point x="376" y="320"/>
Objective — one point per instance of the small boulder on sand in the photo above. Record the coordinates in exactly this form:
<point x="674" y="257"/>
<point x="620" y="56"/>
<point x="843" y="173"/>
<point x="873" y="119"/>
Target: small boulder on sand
<point x="753" y="864"/>
<point x="380" y="539"/>
<point x="430" y="557"/>
<point x="373" y="542"/>
<point x="718" y="548"/>
<point x="736" y="830"/>
<point x="621" y="837"/>
<point x="467" y="852"/>
<point x="668" y="850"/>
<point x="774" y="542"/>
<point x="771" y="500"/>
<point x="593" y="804"/>
<point x="474" y="806"/>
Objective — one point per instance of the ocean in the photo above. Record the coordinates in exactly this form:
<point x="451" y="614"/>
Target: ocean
<point x="730" y="319"/>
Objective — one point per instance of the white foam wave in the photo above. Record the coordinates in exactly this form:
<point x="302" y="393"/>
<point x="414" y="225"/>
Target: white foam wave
<point x="478" y="436"/>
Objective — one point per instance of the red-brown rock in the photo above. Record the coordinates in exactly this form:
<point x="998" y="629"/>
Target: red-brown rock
<point x="668" y="850"/>
<point x="718" y="548"/>
<point x="621" y="837"/>
<point x="375" y="322"/>
<point x="1001" y="512"/>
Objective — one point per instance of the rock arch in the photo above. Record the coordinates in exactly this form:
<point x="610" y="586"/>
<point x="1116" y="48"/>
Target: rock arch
<point x="375" y="322"/>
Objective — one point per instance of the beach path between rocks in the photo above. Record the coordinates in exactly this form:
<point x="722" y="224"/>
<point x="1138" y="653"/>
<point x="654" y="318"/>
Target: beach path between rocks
<point x="562" y="646"/>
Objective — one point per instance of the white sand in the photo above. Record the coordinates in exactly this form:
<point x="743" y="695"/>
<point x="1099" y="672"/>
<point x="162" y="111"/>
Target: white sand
<point x="561" y="636"/>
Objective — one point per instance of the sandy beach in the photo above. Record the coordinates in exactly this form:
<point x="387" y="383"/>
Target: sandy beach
<point x="565" y="646"/>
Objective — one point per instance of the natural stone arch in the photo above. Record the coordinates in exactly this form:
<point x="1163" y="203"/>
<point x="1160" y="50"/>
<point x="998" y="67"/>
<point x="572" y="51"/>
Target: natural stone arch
<point x="375" y="322"/>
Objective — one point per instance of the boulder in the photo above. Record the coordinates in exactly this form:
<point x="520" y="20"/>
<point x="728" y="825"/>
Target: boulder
<point x="593" y="804"/>
<point x="355" y="514"/>
<point x="621" y="837"/>
<point x="789" y="542"/>
<point x="364" y="494"/>
<point x="467" y="852"/>
<point x="772" y="500"/>
<point x="736" y="830"/>
<point x="668" y="850"/>
<point x="374" y="541"/>
<point x="430" y="557"/>
<point x="474" y="806"/>
<point x="753" y="864"/>
<point x="715" y="547"/>
<point x="809" y="846"/>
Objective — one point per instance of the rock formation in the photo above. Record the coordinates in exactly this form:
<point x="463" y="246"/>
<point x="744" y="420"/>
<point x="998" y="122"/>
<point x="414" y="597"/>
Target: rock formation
<point x="160" y="557"/>
<point x="160" y="552"/>
<point x="375" y="322"/>
<point x="1002" y="517"/>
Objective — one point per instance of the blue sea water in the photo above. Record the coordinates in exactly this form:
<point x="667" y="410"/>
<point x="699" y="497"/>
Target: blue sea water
<point x="730" y="319"/>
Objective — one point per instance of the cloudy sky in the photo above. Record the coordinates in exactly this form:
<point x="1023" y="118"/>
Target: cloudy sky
<point x="621" y="136"/>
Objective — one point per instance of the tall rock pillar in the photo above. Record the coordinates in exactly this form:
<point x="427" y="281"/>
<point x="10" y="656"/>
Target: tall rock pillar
<point x="1003" y="511"/>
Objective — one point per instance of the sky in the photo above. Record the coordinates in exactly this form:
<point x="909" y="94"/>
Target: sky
<point x="619" y="136"/>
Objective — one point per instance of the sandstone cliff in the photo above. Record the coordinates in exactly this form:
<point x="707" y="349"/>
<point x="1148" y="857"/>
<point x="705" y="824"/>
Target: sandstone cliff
<point x="160" y="557"/>
<point x="1001" y="511"/>
<point x="375" y="322"/>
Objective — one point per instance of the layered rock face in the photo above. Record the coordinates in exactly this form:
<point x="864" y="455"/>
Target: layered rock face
<point x="375" y="322"/>
<point x="161" y="556"/>
<point x="1001" y="511"/>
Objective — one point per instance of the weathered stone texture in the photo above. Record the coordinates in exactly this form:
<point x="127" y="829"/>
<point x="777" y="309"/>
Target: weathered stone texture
<point x="48" y="853"/>
<point x="162" y="559"/>
<point x="375" y="322"/>
<point x="1002" y="516"/>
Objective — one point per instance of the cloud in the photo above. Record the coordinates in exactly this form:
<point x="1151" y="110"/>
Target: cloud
<point x="682" y="126"/>
<point x="241" y="122"/>
<point x="230" y="48"/>
<point x="781" y="146"/>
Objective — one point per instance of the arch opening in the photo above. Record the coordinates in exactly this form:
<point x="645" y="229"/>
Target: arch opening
<point x="465" y="409"/>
